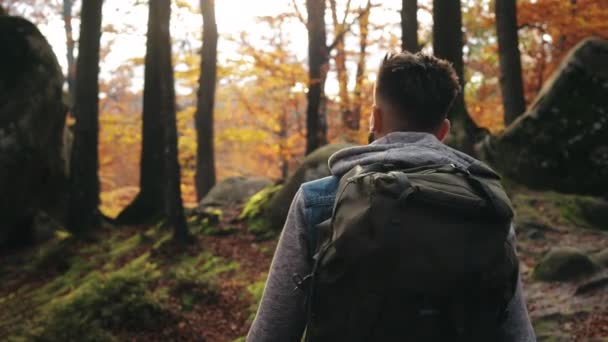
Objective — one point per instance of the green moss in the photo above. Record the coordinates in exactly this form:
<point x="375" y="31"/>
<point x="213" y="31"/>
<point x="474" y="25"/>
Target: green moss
<point x="564" y="264"/>
<point x="105" y="303"/>
<point x="255" y="292"/>
<point x="123" y="247"/>
<point x="556" y="209"/>
<point x="207" y="222"/>
<point x="254" y="210"/>
<point x="86" y="303"/>
<point x="162" y="239"/>
<point x="195" y="279"/>
<point x="52" y="256"/>
<point x="105" y="288"/>
<point x="585" y="211"/>
<point x="256" y="205"/>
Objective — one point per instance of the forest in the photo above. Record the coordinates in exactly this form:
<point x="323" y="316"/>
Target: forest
<point x="150" y="150"/>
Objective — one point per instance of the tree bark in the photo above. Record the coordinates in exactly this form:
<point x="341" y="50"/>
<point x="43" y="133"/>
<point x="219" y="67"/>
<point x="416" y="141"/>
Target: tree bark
<point x="205" y="162"/>
<point x="511" y="82"/>
<point x="340" y="60"/>
<point x="361" y="64"/>
<point x="447" y="44"/>
<point x="83" y="202"/>
<point x="69" y="42"/>
<point x="316" y="125"/>
<point x="173" y="208"/>
<point x="409" y="26"/>
<point x="149" y="203"/>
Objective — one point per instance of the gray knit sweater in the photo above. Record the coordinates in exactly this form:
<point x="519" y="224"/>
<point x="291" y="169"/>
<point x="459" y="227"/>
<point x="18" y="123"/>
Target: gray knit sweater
<point x="281" y="315"/>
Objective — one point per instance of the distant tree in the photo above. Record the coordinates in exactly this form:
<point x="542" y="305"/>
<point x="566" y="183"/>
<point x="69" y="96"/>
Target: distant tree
<point x="339" y="26"/>
<point x="350" y="110"/>
<point x="318" y="62"/>
<point x="409" y="25"/>
<point x="149" y="203"/>
<point x="270" y="105"/>
<point x="83" y="202"/>
<point x="173" y="206"/>
<point x="511" y="82"/>
<point x="447" y="44"/>
<point x="205" y="161"/>
<point x="69" y="43"/>
<point x="364" y="14"/>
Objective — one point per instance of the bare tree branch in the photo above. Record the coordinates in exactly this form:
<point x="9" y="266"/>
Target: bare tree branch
<point x="347" y="28"/>
<point x="298" y="12"/>
<point x="346" y="10"/>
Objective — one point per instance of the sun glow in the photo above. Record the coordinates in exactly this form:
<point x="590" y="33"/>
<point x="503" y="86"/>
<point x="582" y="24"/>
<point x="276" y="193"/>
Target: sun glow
<point x="125" y="24"/>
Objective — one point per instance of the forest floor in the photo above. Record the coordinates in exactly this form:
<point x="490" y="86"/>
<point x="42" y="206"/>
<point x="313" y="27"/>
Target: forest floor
<point x="135" y="284"/>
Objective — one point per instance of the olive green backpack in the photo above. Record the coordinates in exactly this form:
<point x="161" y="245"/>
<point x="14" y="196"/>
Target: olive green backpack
<point x="418" y="255"/>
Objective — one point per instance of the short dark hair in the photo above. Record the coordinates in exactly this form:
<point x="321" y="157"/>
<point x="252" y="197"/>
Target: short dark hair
<point x="422" y="88"/>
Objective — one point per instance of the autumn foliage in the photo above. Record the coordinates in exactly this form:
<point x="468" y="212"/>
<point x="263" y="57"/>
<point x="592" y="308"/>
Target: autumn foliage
<point x="260" y="104"/>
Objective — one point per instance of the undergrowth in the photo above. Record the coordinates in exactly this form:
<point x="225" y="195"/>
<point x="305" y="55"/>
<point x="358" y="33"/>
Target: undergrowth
<point x="96" y="291"/>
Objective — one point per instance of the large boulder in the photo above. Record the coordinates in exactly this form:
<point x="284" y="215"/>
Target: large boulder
<point x="314" y="167"/>
<point x="234" y="191"/>
<point x="33" y="159"/>
<point x="564" y="264"/>
<point x="562" y="142"/>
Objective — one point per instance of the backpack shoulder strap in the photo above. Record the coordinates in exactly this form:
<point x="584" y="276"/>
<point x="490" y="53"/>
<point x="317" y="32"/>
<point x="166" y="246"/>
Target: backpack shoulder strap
<point x="488" y="182"/>
<point x="319" y="196"/>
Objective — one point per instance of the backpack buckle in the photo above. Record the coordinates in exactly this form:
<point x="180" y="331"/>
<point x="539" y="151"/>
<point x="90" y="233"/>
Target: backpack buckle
<point x="300" y="282"/>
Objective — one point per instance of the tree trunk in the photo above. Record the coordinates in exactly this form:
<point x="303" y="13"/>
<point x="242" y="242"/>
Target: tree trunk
<point x="69" y="42"/>
<point x="447" y="44"/>
<point x="174" y="210"/>
<point x="409" y="26"/>
<point x="316" y="125"/>
<point x="205" y="162"/>
<point x="340" y="60"/>
<point x="358" y="93"/>
<point x="511" y="82"/>
<point x="149" y="203"/>
<point x="283" y="135"/>
<point x="83" y="212"/>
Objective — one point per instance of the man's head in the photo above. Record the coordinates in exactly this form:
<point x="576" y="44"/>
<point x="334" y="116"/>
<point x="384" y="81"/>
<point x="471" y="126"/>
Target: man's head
<point x="413" y="92"/>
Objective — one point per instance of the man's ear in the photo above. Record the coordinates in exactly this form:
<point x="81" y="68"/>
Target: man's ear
<point x="444" y="130"/>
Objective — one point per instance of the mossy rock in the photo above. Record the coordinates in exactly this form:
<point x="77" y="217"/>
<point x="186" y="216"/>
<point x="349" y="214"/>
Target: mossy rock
<point x="207" y="221"/>
<point x="234" y="191"/>
<point x="315" y="166"/>
<point x="254" y="212"/>
<point x="33" y="172"/>
<point x="560" y="143"/>
<point x="564" y="264"/>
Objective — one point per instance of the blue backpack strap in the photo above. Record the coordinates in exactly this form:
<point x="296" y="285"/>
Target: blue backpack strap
<point x="319" y="196"/>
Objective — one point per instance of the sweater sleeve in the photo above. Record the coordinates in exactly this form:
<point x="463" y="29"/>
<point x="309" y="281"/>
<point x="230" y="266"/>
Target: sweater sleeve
<point x="281" y="314"/>
<point x="517" y="327"/>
